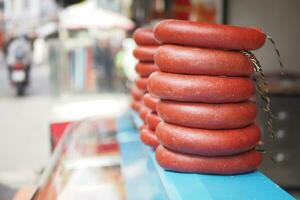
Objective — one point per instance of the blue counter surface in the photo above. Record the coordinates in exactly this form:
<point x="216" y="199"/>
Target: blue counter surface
<point x="145" y="179"/>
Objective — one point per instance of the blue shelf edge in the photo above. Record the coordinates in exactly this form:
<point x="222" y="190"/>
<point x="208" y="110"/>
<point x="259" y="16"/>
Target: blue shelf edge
<point x="153" y="182"/>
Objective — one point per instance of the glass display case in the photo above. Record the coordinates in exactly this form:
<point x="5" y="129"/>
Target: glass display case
<point x="85" y="164"/>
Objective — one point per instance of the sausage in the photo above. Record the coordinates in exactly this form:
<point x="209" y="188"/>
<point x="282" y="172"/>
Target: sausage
<point x="141" y="83"/>
<point x="143" y="112"/>
<point x="143" y="126"/>
<point x="144" y="36"/>
<point x="152" y="119"/>
<point x="149" y="138"/>
<point x="201" y="61"/>
<point x="236" y="164"/>
<point x="208" y="142"/>
<point x="214" y="36"/>
<point x="136" y="93"/>
<point x="136" y="105"/>
<point x="145" y="53"/>
<point x="207" y="116"/>
<point x="144" y="69"/>
<point x="198" y="88"/>
<point x="150" y="101"/>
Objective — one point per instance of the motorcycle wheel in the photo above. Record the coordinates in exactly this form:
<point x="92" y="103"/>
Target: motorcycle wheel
<point x="20" y="89"/>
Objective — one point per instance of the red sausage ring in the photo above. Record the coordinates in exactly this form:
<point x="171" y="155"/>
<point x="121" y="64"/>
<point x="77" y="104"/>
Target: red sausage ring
<point x="236" y="164"/>
<point x="197" y="88"/>
<point x="136" y="93"/>
<point x="208" y="116"/>
<point x="150" y="101"/>
<point x="208" y="142"/>
<point x="136" y="105"/>
<point x="149" y="138"/>
<point x="152" y="120"/>
<point x="144" y="36"/>
<point x="141" y="83"/>
<point x="201" y="61"/>
<point x="213" y="36"/>
<point x="144" y="69"/>
<point x="145" y="53"/>
<point x="143" y="112"/>
<point x="142" y="127"/>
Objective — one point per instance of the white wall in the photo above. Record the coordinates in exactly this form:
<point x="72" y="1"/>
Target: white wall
<point x="278" y="18"/>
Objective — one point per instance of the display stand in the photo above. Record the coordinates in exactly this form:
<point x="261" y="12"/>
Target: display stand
<point x="145" y="179"/>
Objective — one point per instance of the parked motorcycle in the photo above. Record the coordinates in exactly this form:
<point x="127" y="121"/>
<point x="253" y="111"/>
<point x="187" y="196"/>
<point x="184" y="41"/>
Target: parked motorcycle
<point x="18" y="58"/>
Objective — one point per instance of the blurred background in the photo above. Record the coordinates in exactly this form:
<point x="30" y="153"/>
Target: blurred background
<point x="81" y="65"/>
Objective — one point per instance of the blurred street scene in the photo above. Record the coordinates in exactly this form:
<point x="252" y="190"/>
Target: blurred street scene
<point x="88" y="60"/>
<point x="24" y="143"/>
<point x="65" y="61"/>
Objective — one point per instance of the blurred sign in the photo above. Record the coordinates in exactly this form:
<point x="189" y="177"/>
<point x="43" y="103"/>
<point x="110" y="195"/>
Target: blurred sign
<point x="210" y="11"/>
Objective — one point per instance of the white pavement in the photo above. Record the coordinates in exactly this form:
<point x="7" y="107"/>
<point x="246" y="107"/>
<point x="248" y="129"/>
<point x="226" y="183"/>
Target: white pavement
<point x="24" y="132"/>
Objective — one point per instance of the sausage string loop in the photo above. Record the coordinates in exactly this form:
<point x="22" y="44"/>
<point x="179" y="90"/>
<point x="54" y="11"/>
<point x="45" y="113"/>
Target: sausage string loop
<point x="277" y="53"/>
<point x="262" y="90"/>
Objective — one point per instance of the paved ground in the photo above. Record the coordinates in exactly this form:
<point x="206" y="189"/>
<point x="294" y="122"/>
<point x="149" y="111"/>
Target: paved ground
<point x="24" y="145"/>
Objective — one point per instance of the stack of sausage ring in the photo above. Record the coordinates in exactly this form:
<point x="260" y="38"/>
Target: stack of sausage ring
<point x="147" y="46"/>
<point x="205" y="90"/>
